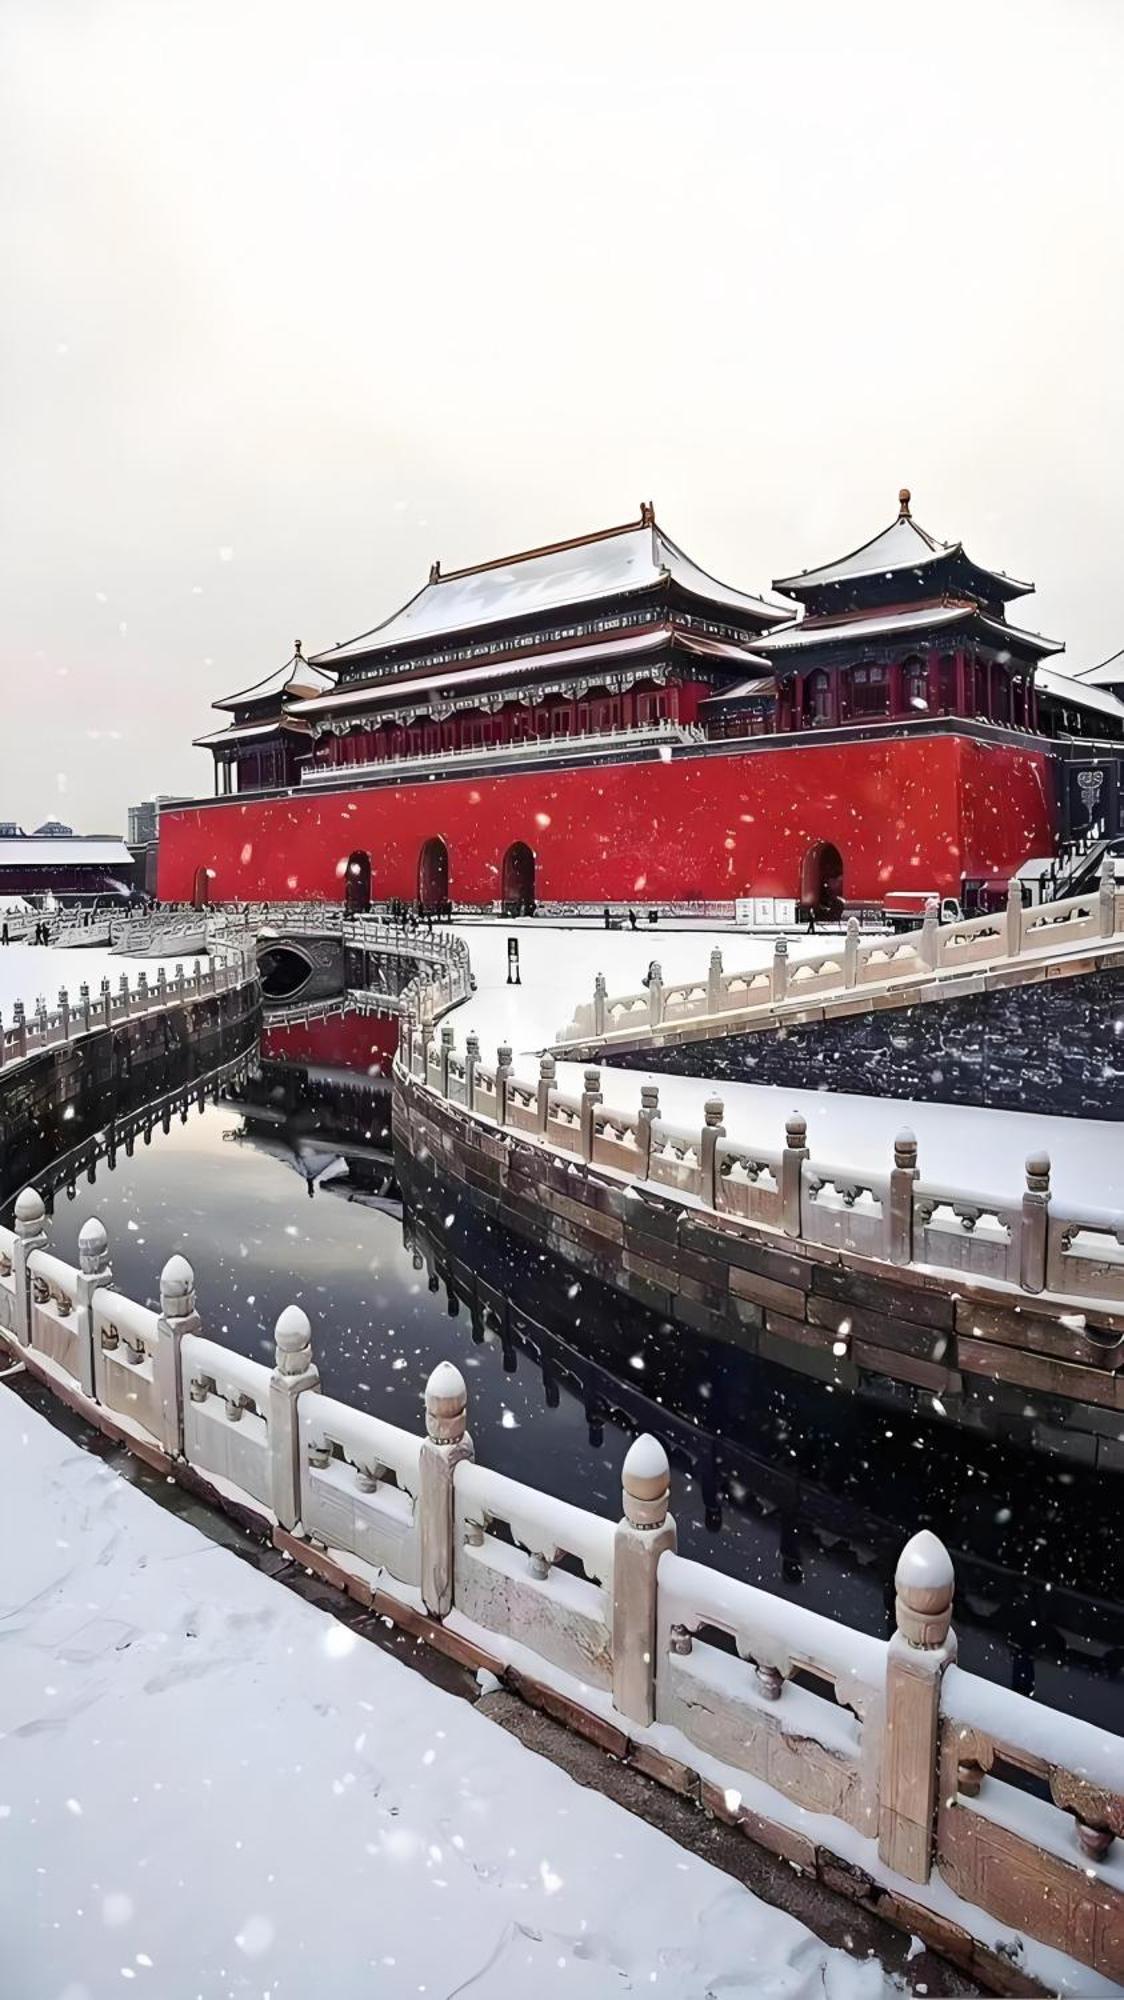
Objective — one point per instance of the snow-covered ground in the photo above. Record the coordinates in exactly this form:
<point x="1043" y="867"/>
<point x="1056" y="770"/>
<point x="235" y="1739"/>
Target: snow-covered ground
<point x="959" y="1145"/>
<point x="28" y="972"/>
<point x="209" y="1788"/>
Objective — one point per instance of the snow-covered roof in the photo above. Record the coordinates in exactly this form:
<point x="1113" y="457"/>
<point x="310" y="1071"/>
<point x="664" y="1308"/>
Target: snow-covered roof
<point x="240" y="731"/>
<point x="1079" y="694"/>
<point x="612" y="563"/>
<point x="926" y="618"/>
<point x="762" y="684"/>
<point x="55" y="851"/>
<point x="298" y="676"/>
<point x="904" y="545"/>
<point x="1110" y="673"/>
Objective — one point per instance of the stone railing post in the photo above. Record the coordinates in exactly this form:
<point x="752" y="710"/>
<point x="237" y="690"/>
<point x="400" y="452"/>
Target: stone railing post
<point x="123" y="988"/>
<point x="446" y="1053"/>
<point x="64" y="1012"/>
<point x="641" y="1538"/>
<point x="1014" y="918"/>
<point x="180" y="981"/>
<point x="30" y="1234"/>
<point x="920" y="1650"/>
<point x="421" y="1044"/>
<point x="1034" y="1229"/>
<point x="851" y="953"/>
<point x="591" y="1098"/>
<point x="19" y="1027"/>
<point x="177" y="1317"/>
<point x="600" y="994"/>
<point x="161" y="986"/>
<point x="929" y="939"/>
<point x="84" y="1003"/>
<point x="712" y="1131"/>
<point x="778" y="979"/>
<point x="142" y="993"/>
<point x="714" y="983"/>
<point x="471" y="1058"/>
<point x="649" y="1113"/>
<point x="446" y="1443"/>
<point x="503" y="1075"/>
<point x="106" y="1002"/>
<point x="655" y="994"/>
<point x="294" y="1372"/>
<point x="547" y="1072"/>
<point x="792" y="1177"/>
<point x="903" y="1173"/>
<point x="93" y="1273"/>
<point x="1106" y="898"/>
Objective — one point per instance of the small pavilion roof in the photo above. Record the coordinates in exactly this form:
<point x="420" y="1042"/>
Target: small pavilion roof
<point x="243" y="732"/>
<point x="610" y="563"/>
<point x="898" y="624"/>
<point x="904" y="545"/>
<point x="298" y="676"/>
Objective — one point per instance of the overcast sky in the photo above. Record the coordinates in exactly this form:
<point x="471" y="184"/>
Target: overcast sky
<point x="298" y="297"/>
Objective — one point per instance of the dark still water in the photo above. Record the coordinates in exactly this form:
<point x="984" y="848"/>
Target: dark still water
<point x="291" y="1194"/>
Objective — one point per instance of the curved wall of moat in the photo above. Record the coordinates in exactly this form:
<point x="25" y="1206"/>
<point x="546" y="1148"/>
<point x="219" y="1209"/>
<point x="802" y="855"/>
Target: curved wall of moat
<point x="287" y="1191"/>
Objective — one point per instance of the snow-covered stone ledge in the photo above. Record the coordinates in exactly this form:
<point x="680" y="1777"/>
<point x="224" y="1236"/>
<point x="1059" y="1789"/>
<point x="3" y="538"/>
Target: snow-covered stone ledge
<point x="927" y="965"/>
<point x="1036" y="1245"/>
<point x="231" y="966"/>
<point x="967" y="1813"/>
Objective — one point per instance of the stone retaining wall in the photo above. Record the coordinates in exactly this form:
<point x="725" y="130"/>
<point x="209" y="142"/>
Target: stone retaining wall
<point x="969" y="1352"/>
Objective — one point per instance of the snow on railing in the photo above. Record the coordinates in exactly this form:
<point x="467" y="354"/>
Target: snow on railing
<point x="232" y="965"/>
<point x="893" y="1216"/>
<point x="924" y="958"/>
<point x="909" y="1768"/>
<point x="537" y="749"/>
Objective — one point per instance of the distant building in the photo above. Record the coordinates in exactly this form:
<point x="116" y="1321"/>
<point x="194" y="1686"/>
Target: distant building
<point x="55" y="861"/>
<point x="143" y="839"/>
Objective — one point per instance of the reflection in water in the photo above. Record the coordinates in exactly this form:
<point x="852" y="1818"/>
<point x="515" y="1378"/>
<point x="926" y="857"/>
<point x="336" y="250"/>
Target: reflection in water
<point x="287" y="1191"/>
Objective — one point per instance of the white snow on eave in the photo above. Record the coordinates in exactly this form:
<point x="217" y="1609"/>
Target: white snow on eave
<point x="1080" y="693"/>
<point x="896" y="548"/>
<point x="297" y="677"/>
<point x="613" y="565"/>
<point x="58" y="852"/>
<point x="863" y="628"/>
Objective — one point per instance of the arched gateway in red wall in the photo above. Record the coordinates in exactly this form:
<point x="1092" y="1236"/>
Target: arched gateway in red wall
<point x="433" y="874"/>
<point x="517" y="880"/>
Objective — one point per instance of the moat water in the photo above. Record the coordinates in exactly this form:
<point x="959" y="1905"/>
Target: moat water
<point x="287" y="1190"/>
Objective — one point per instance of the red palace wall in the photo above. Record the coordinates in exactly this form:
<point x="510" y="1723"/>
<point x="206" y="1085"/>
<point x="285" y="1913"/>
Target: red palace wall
<point x="357" y="1042"/>
<point x="910" y="812"/>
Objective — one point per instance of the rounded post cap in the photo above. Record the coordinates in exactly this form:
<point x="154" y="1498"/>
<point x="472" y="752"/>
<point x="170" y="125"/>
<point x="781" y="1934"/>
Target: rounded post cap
<point x="645" y="1483"/>
<point x="92" y="1238"/>
<point x="905" y="1148"/>
<point x="924" y="1565"/>
<point x="932" y="907"/>
<point x="795" y="1128"/>
<point x="780" y="947"/>
<point x="293" y="1330"/>
<point x="547" y="1066"/>
<point x="1038" y="1166"/>
<point x="503" y="1053"/>
<point x="446" y="1385"/>
<point x="713" y="1110"/>
<point x="716" y="956"/>
<point x="177" y="1279"/>
<point x="447" y="1033"/>
<point x="646" y="1468"/>
<point x="852" y="927"/>
<point x="29" y="1206"/>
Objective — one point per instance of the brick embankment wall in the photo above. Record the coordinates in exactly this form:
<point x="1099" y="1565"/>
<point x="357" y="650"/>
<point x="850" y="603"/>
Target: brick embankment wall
<point x="998" y="1368"/>
<point x="1055" y="1045"/>
<point x="52" y="1100"/>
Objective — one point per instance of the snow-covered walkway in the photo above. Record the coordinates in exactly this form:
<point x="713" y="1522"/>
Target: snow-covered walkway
<point x="959" y="1145"/>
<point x="209" y="1788"/>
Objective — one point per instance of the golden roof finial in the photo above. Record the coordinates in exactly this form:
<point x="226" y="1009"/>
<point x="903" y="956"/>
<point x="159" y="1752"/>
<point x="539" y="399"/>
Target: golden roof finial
<point x="297" y="651"/>
<point x="904" y="498"/>
<point x="647" y="514"/>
